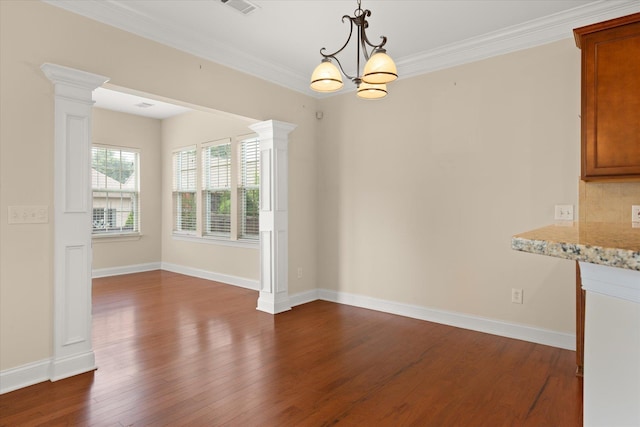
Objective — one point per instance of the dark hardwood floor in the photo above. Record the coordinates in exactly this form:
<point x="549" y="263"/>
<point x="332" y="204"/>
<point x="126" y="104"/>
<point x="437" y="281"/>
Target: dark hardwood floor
<point x="176" y="350"/>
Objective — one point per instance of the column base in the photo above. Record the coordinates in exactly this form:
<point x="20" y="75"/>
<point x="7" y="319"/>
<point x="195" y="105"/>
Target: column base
<point x="69" y="366"/>
<point x="273" y="303"/>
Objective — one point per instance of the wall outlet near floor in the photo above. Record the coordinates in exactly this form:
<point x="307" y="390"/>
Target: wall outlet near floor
<point x="635" y="213"/>
<point x="564" y="212"/>
<point x="516" y="296"/>
<point x="299" y="272"/>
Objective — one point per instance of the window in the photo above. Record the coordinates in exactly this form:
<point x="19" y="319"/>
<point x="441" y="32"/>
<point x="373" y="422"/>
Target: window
<point x="115" y="187"/>
<point x="216" y="190"/>
<point x="216" y="165"/>
<point x="184" y="190"/>
<point x="248" y="189"/>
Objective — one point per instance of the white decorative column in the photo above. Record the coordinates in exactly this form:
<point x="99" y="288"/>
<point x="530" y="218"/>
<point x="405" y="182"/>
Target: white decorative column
<point x="274" y="215"/>
<point x="72" y="349"/>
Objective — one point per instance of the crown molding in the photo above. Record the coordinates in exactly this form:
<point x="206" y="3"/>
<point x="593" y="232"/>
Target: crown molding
<point x="529" y="34"/>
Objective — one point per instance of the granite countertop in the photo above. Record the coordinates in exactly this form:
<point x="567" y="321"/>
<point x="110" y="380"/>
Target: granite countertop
<point x="611" y="244"/>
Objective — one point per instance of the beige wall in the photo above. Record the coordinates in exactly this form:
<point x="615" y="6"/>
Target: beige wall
<point x="412" y="199"/>
<point x="196" y="128"/>
<point x="126" y="130"/>
<point x="608" y="201"/>
<point x="32" y="33"/>
<point x="420" y="194"/>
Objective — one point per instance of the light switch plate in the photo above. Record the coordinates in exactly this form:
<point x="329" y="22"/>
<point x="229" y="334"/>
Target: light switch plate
<point x="564" y="212"/>
<point x="28" y="214"/>
<point x="635" y="213"/>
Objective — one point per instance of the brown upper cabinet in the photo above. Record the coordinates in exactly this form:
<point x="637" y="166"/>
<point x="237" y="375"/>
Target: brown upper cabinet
<point x="610" y="98"/>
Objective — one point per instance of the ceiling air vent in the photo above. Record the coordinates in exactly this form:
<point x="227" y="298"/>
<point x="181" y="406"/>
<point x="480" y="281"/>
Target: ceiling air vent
<point x="242" y="6"/>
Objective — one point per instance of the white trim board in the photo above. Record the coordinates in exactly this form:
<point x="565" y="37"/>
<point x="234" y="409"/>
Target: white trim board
<point x="175" y="268"/>
<point x="459" y="320"/>
<point x="24" y="376"/>
<point x="611" y="281"/>
<point x="126" y="269"/>
<point x="211" y="275"/>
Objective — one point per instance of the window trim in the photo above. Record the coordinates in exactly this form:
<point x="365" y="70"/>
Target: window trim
<point x="213" y="240"/>
<point x="116" y="237"/>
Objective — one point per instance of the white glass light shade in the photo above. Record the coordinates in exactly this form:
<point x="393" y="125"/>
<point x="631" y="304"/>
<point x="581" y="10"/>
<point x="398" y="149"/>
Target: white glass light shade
<point x="326" y="78"/>
<point x="379" y="69"/>
<point x="369" y="91"/>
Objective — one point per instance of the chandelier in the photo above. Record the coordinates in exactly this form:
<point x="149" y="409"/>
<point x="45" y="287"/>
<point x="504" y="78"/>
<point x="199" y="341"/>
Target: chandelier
<point x="378" y="70"/>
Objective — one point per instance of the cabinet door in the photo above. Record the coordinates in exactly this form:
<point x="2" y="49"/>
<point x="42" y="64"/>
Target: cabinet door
<point x="611" y="103"/>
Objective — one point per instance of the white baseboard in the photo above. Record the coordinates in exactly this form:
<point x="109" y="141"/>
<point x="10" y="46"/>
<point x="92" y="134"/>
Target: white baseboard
<point x="304" y="297"/>
<point x="126" y="269"/>
<point x="459" y="320"/>
<point x="24" y="376"/>
<point x="210" y="275"/>
<point x="76" y="364"/>
<point x="189" y="271"/>
<point x="45" y="370"/>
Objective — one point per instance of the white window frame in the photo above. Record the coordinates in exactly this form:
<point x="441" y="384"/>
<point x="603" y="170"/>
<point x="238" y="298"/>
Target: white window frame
<point x="182" y="186"/>
<point x="110" y="187"/>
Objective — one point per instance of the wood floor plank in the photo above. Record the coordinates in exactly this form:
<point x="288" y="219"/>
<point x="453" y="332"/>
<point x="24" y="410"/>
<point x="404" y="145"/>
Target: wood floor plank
<point x="175" y="350"/>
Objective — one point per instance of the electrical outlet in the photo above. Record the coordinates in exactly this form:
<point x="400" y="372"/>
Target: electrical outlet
<point x="299" y="272"/>
<point x="635" y="213"/>
<point x="516" y="296"/>
<point x="564" y="212"/>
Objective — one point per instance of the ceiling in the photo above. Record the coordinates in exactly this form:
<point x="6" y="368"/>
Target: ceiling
<point x="280" y="40"/>
<point x="135" y="104"/>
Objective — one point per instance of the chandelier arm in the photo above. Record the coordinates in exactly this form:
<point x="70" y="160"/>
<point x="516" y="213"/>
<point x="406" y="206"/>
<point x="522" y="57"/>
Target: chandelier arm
<point x="363" y="24"/>
<point x="340" y="66"/>
<point x="365" y="39"/>
<point x="332" y="55"/>
<point x="376" y="46"/>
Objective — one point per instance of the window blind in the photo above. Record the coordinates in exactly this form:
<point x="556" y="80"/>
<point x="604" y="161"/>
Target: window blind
<point x="184" y="190"/>
<point x="216" y="166"/>
<point x="249" y="189"/>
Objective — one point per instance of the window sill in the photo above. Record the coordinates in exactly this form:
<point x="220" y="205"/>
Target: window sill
<point x="115" y="237"/>
<point x="210" y="240"/>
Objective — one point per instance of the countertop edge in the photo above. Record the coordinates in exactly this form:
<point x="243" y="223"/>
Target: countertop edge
<point x="612" y="257"/>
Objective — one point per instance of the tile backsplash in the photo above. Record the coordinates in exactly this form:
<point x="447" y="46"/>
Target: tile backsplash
<point x="608" y="201"/>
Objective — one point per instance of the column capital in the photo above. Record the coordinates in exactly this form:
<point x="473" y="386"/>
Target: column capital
<point x="71" y="83"/>
<point x="272" y="128"/>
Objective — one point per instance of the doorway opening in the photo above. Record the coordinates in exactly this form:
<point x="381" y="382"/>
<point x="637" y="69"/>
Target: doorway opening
<point x="196" y="168"/>
<point x="73" y="205"/>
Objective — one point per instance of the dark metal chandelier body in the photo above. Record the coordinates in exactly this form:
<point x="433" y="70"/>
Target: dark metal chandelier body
<point x="378" y="70"/>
